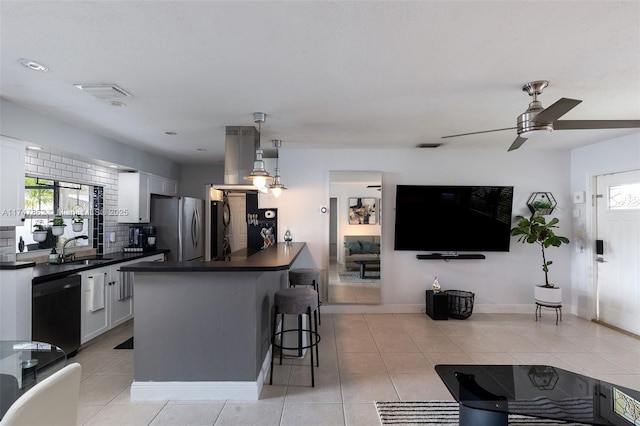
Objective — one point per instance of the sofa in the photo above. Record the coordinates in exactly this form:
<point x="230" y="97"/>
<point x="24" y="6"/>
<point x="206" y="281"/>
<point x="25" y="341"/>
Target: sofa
<point x="361" y="247"/>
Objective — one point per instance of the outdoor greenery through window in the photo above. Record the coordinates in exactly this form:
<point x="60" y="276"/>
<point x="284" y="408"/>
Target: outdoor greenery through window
<point x="57" y="210"/>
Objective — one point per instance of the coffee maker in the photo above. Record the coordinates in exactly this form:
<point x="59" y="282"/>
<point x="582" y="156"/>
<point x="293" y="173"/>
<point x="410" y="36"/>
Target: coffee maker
<point x="142" y="238"/>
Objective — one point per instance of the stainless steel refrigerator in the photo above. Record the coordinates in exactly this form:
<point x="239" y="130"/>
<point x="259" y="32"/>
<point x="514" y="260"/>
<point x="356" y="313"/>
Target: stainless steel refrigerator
<point x="179" y="223"/>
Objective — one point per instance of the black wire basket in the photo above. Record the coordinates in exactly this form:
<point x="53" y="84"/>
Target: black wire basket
<point x="460" y="303"/>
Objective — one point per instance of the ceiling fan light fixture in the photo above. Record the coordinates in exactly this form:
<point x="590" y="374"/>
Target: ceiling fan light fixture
<point x="534" y="133"/>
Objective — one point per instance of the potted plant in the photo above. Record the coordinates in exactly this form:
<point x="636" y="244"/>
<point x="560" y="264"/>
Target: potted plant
<point x="58" y="225"/>
<point x="39" y="232"/>
<point x="536" y="230"/>
<point x="542" y="207"/>
<point x="78" y="222"/>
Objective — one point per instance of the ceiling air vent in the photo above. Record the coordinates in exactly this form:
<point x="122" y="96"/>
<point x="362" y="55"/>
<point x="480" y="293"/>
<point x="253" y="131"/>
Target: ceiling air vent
<point x="104" y="91"/>
<point x="428" y="145"/>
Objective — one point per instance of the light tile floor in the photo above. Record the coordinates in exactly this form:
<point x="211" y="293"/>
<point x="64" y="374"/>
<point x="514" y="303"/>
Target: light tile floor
<point x="351" y="290"/>
<point x="364" y="358"/>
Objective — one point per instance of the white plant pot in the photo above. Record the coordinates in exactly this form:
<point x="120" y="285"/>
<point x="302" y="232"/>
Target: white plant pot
<point x="548" y="295"/>
<point x="39" y="236"/>
<point x="57" y="230"/>
<point x="77" y="226"/>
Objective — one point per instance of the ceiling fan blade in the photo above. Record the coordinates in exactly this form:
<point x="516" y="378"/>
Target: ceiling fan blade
<point x="476" y="133"/>
<point x="595" y="124"/>
<point x="557" y="110"/>
<point x="517" y="143"/>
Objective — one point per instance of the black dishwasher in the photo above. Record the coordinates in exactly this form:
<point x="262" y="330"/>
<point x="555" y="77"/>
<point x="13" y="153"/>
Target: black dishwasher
<point x="56" y="313"/>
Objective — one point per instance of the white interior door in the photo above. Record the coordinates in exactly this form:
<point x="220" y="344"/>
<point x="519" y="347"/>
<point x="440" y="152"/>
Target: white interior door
<point x="618" y="228"/>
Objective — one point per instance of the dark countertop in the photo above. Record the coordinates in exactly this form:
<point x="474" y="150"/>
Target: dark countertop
<point x="16" y="265"/>
<point x="46" y="272"/>
<point x="276" y="258"/>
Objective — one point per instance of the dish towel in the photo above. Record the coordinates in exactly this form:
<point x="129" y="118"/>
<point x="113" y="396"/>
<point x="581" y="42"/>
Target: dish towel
<point x="96" y="292"/>
<point x="125" y="288"/>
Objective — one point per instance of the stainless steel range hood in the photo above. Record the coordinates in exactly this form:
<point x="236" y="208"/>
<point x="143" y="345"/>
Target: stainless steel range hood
<point x="241" y="143"/>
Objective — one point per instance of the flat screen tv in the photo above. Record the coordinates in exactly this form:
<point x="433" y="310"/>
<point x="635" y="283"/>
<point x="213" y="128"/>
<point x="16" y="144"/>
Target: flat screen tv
<point x="453" y="218"/>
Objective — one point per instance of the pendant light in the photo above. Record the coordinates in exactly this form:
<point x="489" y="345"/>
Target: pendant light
<point x="276" y="187"/>
<point x="259" y="175"/>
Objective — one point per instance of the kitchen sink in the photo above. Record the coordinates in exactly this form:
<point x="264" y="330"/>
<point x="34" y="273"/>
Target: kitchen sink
<point x="88" y="261"/>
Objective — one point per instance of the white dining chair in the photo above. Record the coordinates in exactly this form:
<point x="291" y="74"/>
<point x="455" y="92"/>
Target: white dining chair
<point x="53" y="401"/>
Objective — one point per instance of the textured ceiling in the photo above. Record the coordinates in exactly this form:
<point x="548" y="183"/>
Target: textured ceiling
<point x="328" y="74"/>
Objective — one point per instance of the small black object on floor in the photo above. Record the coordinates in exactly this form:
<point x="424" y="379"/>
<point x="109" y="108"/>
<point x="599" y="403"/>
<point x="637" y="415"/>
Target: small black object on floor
<point x="128" y="344"/>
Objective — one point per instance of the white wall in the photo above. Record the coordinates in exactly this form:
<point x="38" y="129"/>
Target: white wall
<point x="27" y="125"/>
<point x="617" y="155"/>
<point x="503" y="280"/>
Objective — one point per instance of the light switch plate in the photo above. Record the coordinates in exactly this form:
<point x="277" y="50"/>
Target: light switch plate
<point x="578" y="197"/>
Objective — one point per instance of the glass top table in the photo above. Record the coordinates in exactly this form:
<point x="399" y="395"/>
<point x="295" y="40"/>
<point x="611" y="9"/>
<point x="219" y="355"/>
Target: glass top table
<point x="488" y="393"/>
<point x="22" y="365"/>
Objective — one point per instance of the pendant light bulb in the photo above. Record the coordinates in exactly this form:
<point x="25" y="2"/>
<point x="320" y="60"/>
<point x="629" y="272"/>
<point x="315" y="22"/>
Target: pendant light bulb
<point x="259" y="175"/>
<point x="276" y="187"/>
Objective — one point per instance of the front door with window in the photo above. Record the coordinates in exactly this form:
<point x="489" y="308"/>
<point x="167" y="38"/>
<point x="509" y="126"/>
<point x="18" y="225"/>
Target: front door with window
<point x="618" y="270"/>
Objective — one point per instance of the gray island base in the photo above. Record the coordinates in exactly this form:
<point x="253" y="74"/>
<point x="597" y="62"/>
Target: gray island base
<point x="202" y="329"/>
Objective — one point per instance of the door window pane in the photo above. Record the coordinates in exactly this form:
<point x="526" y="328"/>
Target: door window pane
<point x="624" y="196"/>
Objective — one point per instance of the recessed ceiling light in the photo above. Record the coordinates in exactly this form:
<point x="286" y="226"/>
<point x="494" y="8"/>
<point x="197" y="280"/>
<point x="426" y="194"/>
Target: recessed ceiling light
<point x="171" y="133"/>
<point x="117" y="104"/>
<point x="113" y="166"/>
<point x="35" y="148"/>
<point x="36" y="66"/>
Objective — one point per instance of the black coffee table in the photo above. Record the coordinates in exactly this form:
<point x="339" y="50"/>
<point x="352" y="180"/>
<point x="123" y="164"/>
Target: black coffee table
<point x="363" y="265"/>
<point x="488" y="393"/>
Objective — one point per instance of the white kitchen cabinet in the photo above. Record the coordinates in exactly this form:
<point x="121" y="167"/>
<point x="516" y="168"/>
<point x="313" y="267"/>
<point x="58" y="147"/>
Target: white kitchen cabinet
<point x="117" y="310"/>
<point x="94" y="321"/>
<point x="133" y="198"/>
<point x="15" y="303"/>
<point x="121" y="304"/>
<point x="163" y="186"/>
<point x="12" y="177"/>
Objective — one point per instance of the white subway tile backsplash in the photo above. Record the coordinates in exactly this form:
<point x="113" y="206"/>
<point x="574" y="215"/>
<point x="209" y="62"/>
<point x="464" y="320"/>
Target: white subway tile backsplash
<point x="56" y="158"/>
<point x="36" y="161"/>
<point x="44" y="155"/>
<point x="44" y="170"/>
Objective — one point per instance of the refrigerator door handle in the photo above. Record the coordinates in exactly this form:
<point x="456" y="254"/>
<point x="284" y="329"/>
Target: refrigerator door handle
<point x="193" y="226"/>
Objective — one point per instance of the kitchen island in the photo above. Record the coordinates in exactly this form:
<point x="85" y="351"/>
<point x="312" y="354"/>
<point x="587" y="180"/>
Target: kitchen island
<point x="202" y="329"/>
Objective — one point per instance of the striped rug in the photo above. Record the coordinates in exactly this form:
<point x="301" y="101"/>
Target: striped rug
<point x="436" y="413"/>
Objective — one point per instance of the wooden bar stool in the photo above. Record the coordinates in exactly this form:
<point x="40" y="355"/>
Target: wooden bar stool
<point x="296" y="301"/>
<point x="307" y="277"/>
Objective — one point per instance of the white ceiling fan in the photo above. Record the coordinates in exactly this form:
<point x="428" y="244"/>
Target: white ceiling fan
<point x="537" y="119"/>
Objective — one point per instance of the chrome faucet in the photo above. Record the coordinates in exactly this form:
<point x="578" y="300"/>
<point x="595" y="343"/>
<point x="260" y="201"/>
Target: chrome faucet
<point x="79" y="237"/>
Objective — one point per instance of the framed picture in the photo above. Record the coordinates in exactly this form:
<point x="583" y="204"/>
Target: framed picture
<point x="363" y="211"/>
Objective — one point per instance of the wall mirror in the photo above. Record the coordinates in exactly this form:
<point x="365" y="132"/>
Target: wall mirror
<point x="355" y="230"/>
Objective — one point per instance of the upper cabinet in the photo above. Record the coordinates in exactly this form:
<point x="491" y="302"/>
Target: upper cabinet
<point x="133" y="198"/>
<point x="134" y="195"/>
<point x="163" y="186"/>
<point x="12" y="188"/>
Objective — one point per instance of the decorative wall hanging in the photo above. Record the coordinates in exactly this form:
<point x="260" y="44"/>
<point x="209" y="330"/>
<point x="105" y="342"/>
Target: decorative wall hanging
<point x="363" y="211"/>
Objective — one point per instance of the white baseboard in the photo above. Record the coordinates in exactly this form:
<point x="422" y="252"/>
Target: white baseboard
<point x="202" y="391"/>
